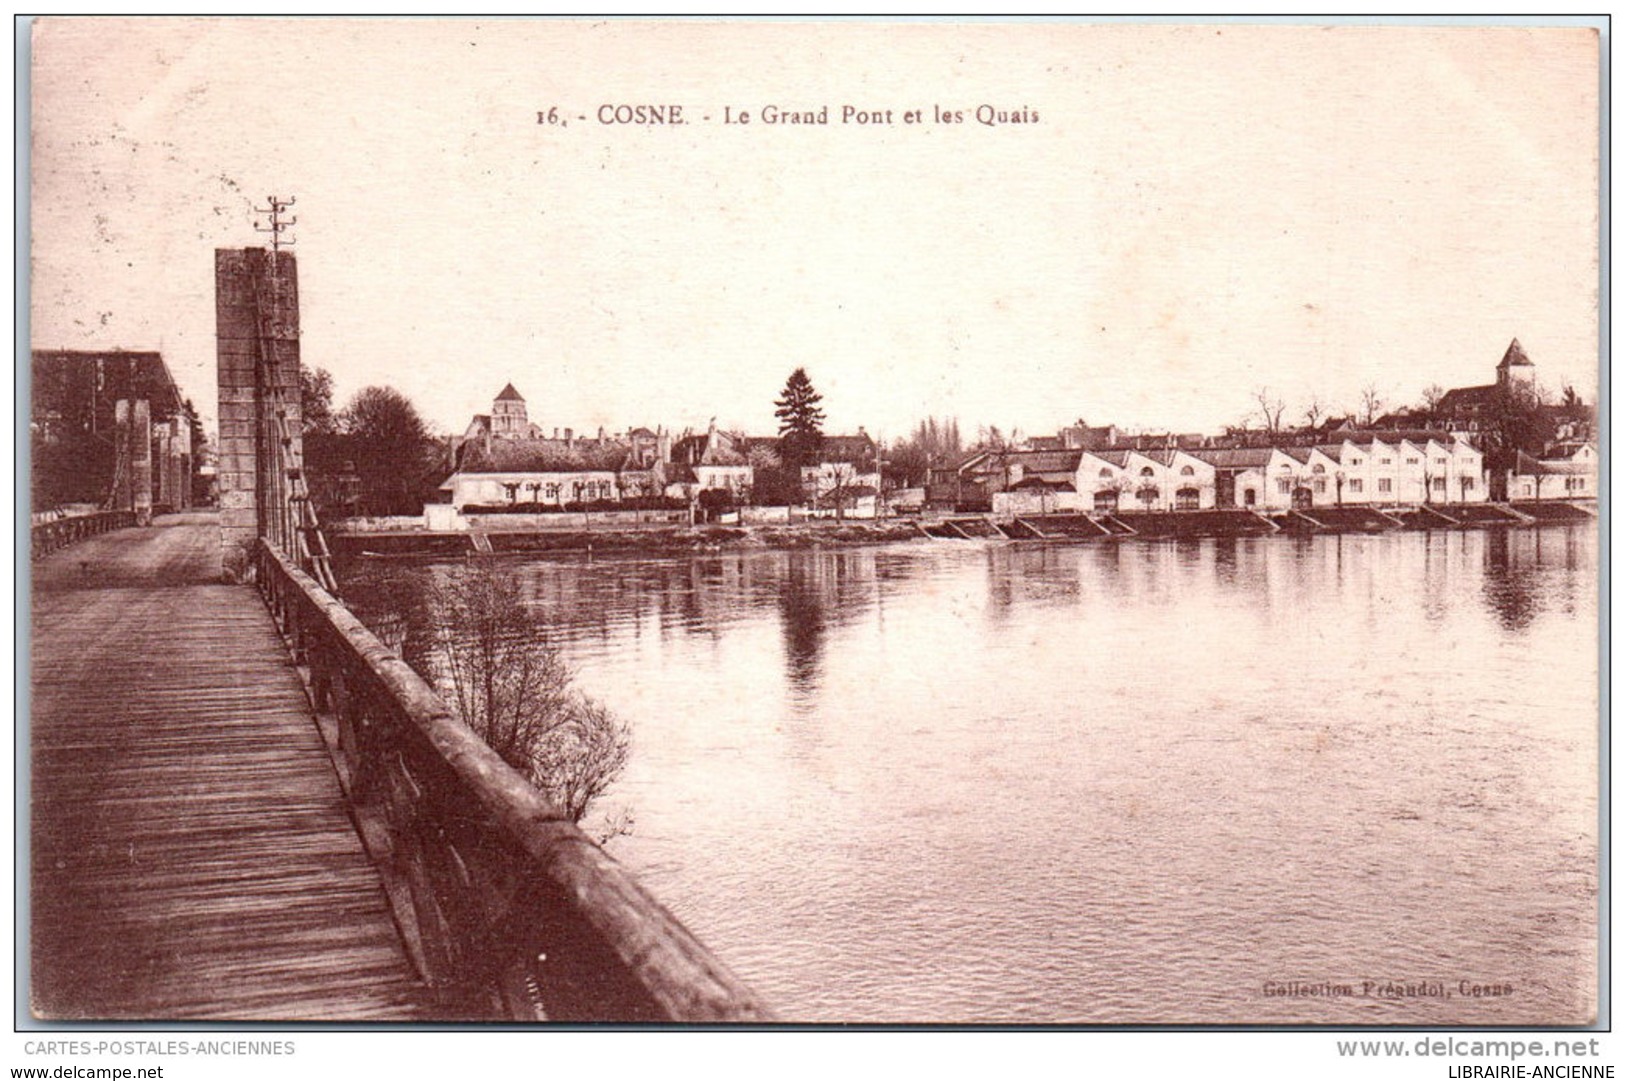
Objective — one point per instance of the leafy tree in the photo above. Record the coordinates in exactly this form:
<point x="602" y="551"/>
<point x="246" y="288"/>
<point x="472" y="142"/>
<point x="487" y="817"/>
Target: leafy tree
<point x="391" y="448"/>
<point x="316" y="400"/>
<point x="762" y="457"/>
<point x="325" y="450"/>
<point x="1513" y="422"/>
<point x="801" y="421"/>
<point x="772" y="484"/>
<point x="716" y="502"/>
<point x="200" y="438"/>
<point x="993" y="439"/>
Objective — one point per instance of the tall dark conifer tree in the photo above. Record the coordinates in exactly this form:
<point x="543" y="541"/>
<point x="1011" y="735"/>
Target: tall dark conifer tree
<point x="801" y="422"/>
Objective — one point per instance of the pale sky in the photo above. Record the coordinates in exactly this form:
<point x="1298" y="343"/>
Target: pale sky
<point x="1196" y="212"/>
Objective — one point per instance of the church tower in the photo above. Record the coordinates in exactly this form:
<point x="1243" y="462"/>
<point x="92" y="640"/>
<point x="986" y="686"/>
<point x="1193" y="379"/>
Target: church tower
<point x="1515" y="367"/>
<point x="508" y="419"/>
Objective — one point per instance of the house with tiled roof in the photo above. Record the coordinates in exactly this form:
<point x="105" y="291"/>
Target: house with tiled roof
<point x="1188" y="481"/>
<point x="846" y="474"/>
<point x="549" y="473"/>
<point x="506" y="459"/>
<point x="986" y="473"/>
<point x="1570" y="476"/>
<point x="1239" y="474"/>
<point x="716" y="461"/>
<point x="1038" y="481"/>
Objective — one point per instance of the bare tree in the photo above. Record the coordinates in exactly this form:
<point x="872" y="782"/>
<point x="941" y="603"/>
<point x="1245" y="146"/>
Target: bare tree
<point x="1432" y="395"/>
<point x="1371" y="403"/>
<point x="583" y="756"/>
<point x="490" y="654"/>
<point x="1122" y="484"/>
<point x="1270" y="408"/>
<point x="842" y="476"/>
<point x="1314" y="412"/>
<point x="503" y="679"/>
<point x="1573" y="406"/>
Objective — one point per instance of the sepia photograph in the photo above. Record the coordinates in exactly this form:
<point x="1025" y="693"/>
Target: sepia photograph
<point x="781" y="524"/>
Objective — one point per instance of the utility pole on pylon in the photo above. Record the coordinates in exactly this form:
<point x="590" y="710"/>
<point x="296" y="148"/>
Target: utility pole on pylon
<point x="277" y="222"/>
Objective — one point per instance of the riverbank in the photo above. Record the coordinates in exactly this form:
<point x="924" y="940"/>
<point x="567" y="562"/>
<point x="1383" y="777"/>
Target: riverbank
<point x="1057" y="528"/>
<point x="673" y="539"/>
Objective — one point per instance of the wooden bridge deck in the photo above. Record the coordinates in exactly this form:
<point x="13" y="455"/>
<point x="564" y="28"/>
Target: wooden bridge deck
<point x="192" y="856"/>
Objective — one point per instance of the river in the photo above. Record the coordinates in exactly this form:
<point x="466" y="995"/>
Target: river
<point x="1337" y="779"/>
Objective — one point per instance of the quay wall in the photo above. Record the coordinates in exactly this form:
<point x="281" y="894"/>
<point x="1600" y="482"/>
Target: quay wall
<point x="517" y="534"/>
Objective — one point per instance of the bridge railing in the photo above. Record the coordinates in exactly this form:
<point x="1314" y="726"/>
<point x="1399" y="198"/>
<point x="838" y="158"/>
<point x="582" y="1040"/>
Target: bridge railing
<point x="49" y="536"/>
<point x="506" y="908"/>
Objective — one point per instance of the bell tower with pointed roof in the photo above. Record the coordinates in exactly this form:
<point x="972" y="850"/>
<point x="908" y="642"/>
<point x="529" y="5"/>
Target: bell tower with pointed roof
<point x="1515" y="366"/>
<point x="508" y="418"/>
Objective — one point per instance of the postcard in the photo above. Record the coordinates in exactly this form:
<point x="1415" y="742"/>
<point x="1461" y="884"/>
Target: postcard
<point x="902" y="523"/>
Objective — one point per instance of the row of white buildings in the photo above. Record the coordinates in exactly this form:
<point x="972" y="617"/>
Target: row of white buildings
<point x="1393" y="465"/>
<point x="1362" y="469"/>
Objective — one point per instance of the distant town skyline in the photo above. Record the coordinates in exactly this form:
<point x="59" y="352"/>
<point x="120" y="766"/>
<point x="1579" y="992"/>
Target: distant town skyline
<point x="1196" y="212"/>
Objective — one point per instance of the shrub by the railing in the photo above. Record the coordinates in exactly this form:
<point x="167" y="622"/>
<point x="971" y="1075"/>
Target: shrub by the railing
<point x="506" y="907"/>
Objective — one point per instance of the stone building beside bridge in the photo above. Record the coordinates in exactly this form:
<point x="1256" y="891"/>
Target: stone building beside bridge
<point x="109" y="429"/>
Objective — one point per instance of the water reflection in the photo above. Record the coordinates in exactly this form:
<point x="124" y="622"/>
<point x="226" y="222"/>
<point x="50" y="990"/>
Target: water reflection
<point x="959" y="782"/>
<point x="1528" y="571"/>
<point x="1509" y="585"/>
<point x="802" y="610"/>
<point x="1517" y="573"/>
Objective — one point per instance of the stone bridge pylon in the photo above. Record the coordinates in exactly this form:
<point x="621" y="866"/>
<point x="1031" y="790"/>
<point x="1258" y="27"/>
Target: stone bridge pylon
<point x="263" y="493"/>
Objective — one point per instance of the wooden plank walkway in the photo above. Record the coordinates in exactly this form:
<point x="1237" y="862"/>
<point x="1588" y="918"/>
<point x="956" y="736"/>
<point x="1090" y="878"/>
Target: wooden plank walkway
<point x="192" y="855"/>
